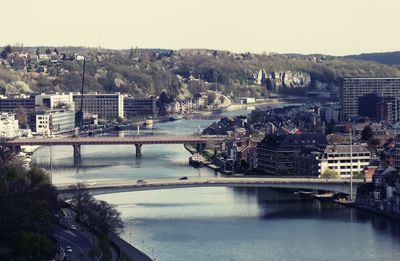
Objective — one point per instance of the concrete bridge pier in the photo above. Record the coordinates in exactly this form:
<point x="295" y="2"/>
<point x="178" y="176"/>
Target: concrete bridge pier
<point x="138" y="150"/>
<point x="77" y="150"/>
<point x="77" y="161"/>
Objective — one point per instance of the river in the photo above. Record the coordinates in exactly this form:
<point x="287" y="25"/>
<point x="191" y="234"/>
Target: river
<point x="221" y="223"/>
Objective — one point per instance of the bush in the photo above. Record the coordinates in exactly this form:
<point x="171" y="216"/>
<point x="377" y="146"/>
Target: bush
<point x="330" y="174"/>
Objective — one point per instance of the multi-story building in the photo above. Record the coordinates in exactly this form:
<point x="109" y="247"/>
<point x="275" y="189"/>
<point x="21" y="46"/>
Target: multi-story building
<point x="275" y="153"/>
<point x="109" y="106"/>
<point x="140" y="106"/>
<point x="397" y="152"/>
<point x="54" y="101"/>
<point x="305" y="162"/>
<point x="8" y="126"/>
<point x="339" y="159"/>
<point x="354" y="88"/>
<point x="11" y="103"/>
<point x="385" y="108"/>
<point x="52" y="122"/>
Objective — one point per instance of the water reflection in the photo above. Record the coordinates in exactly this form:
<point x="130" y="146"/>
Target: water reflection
<point x="252" y="224"/>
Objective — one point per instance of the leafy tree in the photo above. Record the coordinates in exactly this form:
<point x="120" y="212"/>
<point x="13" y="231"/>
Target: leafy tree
<point x="358" y="175"/>
<point x="37" y="52"/>
<point x="211" y="97"/>
<point x="99" y="215"/>
<point x="21" y="115"/>
<point x="367" y="134"/>
<point x="28" y="203"/>
<point x="55" y="50"/>
<point x="330" y="174"/>
<point x="48" y="51"/>
<point x="80" y="199"/>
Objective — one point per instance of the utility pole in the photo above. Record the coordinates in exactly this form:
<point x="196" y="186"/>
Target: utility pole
<point x="351" y="162"/>
<point x="79" y="114"/>
<point x="51" y="148"/>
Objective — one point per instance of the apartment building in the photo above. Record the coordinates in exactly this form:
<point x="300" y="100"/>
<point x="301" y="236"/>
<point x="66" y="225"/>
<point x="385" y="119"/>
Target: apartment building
<point x="52" y="122"/>
<point x="339" y="159"/>
<point x="8" y="126"/>
<point x="109" y="106"/>
<point x="140" y="106"/>
<point x="355" y="88"/>
<point x="11" y="103"/>
<point x="54" y="101"/>
<point x="275" y="153"/>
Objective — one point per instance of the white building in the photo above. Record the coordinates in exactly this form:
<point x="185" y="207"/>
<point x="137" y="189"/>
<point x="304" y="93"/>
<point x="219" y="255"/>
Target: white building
<point x="105" y="105"/>
<point x="54" y="101"/>
<point x="337" y="158"/>
<point x="58" y="121"/>
<point x="8" y="126"/>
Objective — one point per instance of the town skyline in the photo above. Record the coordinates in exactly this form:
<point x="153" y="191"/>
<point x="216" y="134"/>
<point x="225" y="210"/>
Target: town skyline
<point x="306" y="27"/>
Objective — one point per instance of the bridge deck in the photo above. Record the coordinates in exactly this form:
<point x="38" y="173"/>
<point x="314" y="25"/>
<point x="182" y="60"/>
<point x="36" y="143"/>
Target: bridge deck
<point x="139" y="139"/>
<point x="105" y="187"/>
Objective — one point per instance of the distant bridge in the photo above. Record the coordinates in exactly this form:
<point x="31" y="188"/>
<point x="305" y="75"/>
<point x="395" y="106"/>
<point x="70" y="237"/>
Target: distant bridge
<point x="138" y="141"/>
<point x="108" y="187"/>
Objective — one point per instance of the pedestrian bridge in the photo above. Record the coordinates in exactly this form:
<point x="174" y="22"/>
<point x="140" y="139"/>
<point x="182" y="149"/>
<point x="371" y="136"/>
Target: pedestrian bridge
<point x="108" y="187"/>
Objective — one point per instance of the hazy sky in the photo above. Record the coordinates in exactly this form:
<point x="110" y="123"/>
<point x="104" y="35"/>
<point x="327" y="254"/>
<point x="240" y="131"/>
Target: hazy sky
<point x="302" y="26"/>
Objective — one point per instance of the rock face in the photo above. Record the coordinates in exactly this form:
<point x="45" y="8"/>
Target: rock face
<point x="277" y="80"/>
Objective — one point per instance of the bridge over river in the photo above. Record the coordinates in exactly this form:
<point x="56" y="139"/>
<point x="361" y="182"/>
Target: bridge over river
<point x="137" y="140"/>
<point x="107" y="187"/>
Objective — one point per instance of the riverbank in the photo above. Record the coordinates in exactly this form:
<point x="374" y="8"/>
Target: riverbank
<point x="371" y="210"/>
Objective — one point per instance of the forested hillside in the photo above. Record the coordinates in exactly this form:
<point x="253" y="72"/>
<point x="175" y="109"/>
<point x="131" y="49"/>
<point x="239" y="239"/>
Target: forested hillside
<point x="143" y="72"/>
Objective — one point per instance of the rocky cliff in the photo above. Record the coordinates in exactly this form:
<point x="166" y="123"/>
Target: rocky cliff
<point x="277" y="80"/>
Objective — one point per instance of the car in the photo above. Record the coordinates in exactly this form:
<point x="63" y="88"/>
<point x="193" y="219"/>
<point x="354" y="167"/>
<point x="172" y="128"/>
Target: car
<point x="183" y="178"/>
<point x="72" y="227"/>
<point x="140" y="181"/>
<point x="90" y="183"/>
<point x="68" y="249"/>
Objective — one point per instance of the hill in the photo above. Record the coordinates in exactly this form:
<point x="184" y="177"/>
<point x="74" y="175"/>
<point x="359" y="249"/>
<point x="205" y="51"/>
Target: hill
<point x="143" y="72"/>
<point x="389" y="58"/>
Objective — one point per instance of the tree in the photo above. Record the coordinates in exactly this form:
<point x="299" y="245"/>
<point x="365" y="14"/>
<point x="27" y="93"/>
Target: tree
<point x="358" y="175"/>
<point x="80" y="199"/>
<point x="48" y="51"/>
<point x="367" y="134"/>
<point x="330" y="174"/>
<point x="99" y="215"/>
<point x="21" y="115"/>
<point x="37" y="52"/>
<point x="55" y="51"/>
<point x="211" y="97"/>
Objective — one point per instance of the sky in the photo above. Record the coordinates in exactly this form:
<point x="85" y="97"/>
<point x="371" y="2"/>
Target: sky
<point x="335" y="27"/>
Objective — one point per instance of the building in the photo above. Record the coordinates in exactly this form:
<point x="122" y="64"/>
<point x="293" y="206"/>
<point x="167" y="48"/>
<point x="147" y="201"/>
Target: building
<point x="275" y="153"/>
<point x="110" y="106"/>
<point x="397" y="152"/>
<point x="134" y="107"/>
<point x="305" y="162"/>
<point x="337" y="158"/>
<point x="54" y="101"/>
<point x="8" y="126"/>
<point x="380" y="108"/>
<point x="52" y="122"/>
<point x="354" y="88"/>
<point x="332" y="113"/>
<point x="11" y="103"/>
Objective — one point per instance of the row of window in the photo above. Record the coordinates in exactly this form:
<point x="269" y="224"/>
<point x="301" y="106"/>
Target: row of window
<point x="348" y="161"/>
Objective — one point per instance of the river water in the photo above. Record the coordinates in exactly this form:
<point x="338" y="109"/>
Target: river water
<point x="221" y="223"/>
